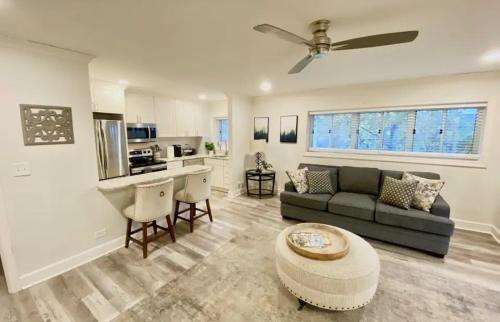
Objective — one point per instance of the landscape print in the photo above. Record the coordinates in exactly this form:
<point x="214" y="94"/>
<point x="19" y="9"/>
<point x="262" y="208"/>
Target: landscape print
<point x="261" y="128"/>
<point x="288" y="131"/>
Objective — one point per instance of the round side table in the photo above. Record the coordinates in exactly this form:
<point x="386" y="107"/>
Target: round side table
<point x="260" y="177"/>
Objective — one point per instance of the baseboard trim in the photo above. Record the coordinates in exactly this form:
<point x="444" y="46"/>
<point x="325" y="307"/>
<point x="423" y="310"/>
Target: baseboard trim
<point x="67" y="264"/>
<point x="478" y="227"/>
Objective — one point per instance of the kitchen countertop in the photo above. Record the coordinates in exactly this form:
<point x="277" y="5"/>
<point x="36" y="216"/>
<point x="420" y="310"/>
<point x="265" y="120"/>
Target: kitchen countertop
<point x="197" y="156"/>
<point x="125" y="182"/>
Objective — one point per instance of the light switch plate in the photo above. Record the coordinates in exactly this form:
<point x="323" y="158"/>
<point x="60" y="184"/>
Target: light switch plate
<point x="21" y="169"/>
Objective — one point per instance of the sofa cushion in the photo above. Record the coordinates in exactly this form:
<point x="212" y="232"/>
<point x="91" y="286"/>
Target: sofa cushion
<point x="413" y="219"/>
<point x="356" y="205"/>
<point x="399" y="175"/>
<point x="319" y="167"/>
<point x="319" y="182"/>
<point x="306" y="200"/>
<point x="398" y="193"/>
<point x="359" y="180"/>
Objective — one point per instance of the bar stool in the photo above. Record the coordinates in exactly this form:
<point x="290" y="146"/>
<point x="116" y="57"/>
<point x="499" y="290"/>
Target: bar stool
<point x="152" y="201"/>
<point x="196" y="189"/>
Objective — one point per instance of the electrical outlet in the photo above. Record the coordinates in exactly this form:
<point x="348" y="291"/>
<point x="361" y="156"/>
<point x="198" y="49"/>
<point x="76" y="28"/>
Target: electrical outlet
<point x="100" y="233"/>
<point x="20" y="169"/>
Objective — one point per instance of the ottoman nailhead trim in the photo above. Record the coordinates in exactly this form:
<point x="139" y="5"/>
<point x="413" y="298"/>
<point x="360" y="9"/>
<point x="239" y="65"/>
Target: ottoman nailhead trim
<point x="331" y="308"/>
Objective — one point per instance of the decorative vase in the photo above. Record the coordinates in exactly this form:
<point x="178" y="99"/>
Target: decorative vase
<point x="211" y="152"/>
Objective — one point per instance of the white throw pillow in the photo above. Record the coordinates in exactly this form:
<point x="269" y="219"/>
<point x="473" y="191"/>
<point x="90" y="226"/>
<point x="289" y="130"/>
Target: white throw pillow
<point x="426" y="192"/>
<point x="299" y="179"/>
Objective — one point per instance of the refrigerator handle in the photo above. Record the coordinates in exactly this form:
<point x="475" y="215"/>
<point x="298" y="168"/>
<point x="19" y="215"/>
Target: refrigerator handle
<point x="100" y="149"/>
<point x="105" y="151"/>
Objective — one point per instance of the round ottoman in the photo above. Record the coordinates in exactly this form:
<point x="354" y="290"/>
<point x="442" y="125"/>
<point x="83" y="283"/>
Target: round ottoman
<point x="344" y="284"/>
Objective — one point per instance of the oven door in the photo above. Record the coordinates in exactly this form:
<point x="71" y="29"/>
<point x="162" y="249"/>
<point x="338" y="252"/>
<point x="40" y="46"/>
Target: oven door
<point x="141" y="132"/>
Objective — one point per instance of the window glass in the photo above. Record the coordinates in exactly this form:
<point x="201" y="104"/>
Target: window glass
<point x="369" y="131"/>
<point x="427" y="134"/>
<point x="394" y="133"/>
<point x="459" y="130"/>
<point x="322" y="126"/>
<point x="222" y="130"/>
<point x="341" y="131"/>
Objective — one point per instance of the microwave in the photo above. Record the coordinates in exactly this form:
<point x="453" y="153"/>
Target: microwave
<point x="141" y="132"/>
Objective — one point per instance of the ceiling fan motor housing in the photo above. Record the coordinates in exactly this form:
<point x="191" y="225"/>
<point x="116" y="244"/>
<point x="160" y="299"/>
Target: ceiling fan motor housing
<point x="320" y="39"/>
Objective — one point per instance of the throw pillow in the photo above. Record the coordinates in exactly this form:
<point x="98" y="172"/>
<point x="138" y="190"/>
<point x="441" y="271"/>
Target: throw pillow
<point x="398" y="193"/>
<point x="319" y="182"/>
<point x="426" y="193"/>
<point x="299" y="179"/>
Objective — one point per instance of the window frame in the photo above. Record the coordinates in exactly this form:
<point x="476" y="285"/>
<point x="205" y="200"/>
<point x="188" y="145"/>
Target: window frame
<point x="355" y="152"/>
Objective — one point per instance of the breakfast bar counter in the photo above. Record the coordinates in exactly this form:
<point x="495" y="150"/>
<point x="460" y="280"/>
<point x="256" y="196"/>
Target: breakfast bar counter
<point x="121" y="183"/>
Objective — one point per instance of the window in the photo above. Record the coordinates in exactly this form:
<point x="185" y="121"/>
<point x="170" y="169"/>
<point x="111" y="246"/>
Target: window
<point x="222" y="129"/>
<point x="446" y="131"/>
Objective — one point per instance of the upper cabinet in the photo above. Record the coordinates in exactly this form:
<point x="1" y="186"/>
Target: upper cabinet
<point x="165" y="111"/>
<point x="173" y="118"/>
<point x="107" y="97"/>
<point x="139" y="108"/>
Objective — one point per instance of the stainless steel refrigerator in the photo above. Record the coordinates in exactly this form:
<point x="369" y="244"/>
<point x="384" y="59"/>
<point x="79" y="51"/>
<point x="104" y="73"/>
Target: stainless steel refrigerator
<point x="111" y="144"/>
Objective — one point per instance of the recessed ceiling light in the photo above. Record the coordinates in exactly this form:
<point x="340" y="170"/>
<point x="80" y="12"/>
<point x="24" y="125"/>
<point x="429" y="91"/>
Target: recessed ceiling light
<point x="202" y="96"/>
<point x="491" y="57"/>
<point x="123" y="82"/>
<point x="266" y="86"/>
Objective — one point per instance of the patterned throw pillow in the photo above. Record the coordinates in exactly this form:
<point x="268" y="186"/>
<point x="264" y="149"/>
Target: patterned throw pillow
<point x="398" y="193"/>
<point x="319" y="182"/>
<point x="426" y="193"/>
<point x="299" y="179"/>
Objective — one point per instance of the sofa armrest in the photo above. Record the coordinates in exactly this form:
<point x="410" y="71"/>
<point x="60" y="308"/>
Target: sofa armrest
<point x="440" y="207"/>
<point x="290" y="187"/>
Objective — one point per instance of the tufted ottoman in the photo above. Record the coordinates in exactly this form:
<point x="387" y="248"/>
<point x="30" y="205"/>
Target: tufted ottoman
<point x="344" y="284"/>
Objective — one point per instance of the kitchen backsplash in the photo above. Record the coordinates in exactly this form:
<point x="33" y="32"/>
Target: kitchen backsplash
<point x="195" y="142"/>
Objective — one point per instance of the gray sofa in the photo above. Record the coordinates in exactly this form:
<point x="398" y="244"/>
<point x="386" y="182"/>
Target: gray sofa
<point x="355" y="207"/>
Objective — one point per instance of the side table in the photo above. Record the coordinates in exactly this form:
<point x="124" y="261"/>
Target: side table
<point x="260" y="177"/>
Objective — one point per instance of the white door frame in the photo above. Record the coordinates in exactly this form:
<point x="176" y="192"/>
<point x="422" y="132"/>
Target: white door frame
<point x="8" y="261"/>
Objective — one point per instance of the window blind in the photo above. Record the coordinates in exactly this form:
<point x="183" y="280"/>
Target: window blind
<point x="450" y="129"/>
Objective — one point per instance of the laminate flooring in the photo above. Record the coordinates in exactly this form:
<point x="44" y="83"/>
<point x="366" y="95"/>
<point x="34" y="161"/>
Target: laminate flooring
<point x="224" y="271"/>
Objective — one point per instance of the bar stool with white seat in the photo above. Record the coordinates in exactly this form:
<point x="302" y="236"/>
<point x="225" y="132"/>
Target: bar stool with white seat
<point x="196" y="189"/>
<point x="152" y="201"/>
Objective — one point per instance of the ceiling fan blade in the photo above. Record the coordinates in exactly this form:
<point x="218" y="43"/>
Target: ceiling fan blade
<point x="283" y="34"/>
<point x="376" y="40"/>
<point x="301" y="64"/>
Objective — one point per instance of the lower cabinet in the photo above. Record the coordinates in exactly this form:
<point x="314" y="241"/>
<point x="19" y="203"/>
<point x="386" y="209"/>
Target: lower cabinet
<point x="220" y="173"/>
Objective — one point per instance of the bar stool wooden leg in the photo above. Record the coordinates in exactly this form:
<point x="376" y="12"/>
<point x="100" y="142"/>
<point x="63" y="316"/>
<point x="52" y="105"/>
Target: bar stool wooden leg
<point x="176" y="213"/>
<point x="209" y="210"/>
<point x="129" y="229"/>
<point x="192" y="213"/>
<point x="144" y="239"/>
<point x="155" y="227"/>
<point x="170" y="228"/>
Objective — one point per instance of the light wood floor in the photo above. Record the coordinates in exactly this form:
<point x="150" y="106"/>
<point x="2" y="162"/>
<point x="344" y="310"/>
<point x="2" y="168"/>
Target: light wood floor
<point x="107" y="287"/>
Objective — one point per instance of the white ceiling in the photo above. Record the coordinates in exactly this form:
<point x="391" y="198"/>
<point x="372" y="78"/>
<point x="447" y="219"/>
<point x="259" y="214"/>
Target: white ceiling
<point x="186" y="47"/>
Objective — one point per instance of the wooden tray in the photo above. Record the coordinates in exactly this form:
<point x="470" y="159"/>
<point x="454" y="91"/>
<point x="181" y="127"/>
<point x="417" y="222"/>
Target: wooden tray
<point x="339" y="243"/>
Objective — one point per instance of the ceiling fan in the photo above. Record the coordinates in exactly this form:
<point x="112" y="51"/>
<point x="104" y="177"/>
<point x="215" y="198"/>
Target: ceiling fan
<point x="321" y="44"/>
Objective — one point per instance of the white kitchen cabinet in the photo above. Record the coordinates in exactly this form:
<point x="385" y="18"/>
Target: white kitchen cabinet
<point x="165" y="114"/>
<point x="139" y="108"/>
<point x="185" y="116"/>
<point x="220" y="173"/>
<point x="107" y="97"/>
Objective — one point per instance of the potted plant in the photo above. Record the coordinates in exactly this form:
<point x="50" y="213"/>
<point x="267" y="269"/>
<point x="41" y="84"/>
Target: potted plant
<point x="210" y="146"/>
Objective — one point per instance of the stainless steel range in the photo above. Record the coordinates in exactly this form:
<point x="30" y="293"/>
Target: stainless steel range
<point x="142" y="161"/>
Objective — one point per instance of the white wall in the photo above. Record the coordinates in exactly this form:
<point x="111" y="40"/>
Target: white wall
<point x="473" y="192"/>
<point x="52" y="215"/>
<point x="240" y="132"/>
